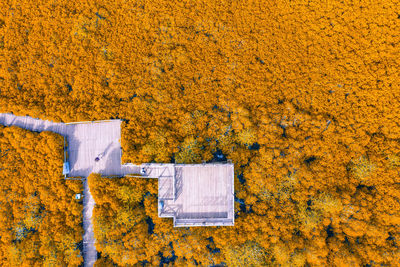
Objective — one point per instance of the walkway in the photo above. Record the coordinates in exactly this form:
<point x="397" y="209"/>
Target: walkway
<point x="89" y="249"/>
<point x="194" y="195"/>
<point x="86" y="141"/>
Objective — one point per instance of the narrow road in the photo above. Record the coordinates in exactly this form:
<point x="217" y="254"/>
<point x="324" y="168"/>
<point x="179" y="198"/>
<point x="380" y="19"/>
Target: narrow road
<point x="85" y="142"/>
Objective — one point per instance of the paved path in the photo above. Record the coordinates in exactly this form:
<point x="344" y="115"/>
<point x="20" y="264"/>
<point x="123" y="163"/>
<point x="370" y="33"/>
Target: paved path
<point x="86" y="141"/>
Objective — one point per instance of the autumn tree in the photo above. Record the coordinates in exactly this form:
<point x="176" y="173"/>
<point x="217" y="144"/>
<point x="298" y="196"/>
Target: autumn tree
<point x="302" y="97"/>
<point x="40" y="217"/>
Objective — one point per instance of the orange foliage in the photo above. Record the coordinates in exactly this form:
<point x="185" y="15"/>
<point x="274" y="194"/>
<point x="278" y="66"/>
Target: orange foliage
<point x="40" y="218"/>
<point x="303" y="97"/>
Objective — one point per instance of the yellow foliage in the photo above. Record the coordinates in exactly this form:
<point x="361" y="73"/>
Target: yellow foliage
<point x="302" y="97"/>
<point x="129" y="195"/>
<point x="246" y="137"/>
<point x="362" y="168"/>
<point x="249" y="254"/>
<point x="281" y="254"/>
<point x="38" y="204"/>
<point x="394" y="161"/>
<point x="298" y="259"/>
<point x="328" y="205"/>
<point x="309" y="219"/>
<point x="189" y="151"/>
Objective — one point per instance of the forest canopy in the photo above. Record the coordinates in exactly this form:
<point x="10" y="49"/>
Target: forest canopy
<point x="303" y="97"/>
<point x="40" y="220"/>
